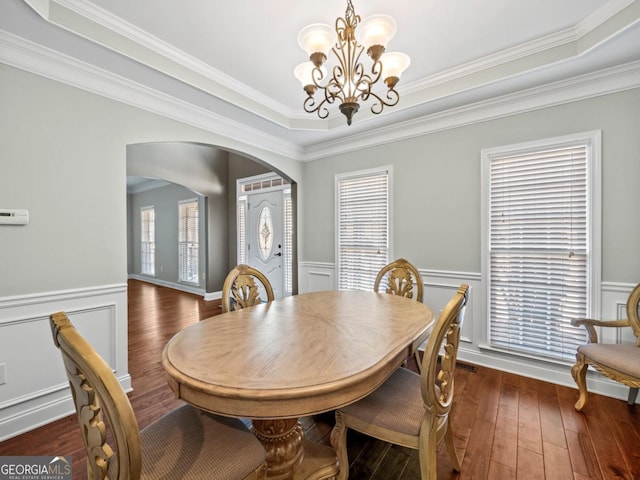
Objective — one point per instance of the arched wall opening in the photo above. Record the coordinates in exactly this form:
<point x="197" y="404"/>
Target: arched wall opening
<point x="210" y="172"/>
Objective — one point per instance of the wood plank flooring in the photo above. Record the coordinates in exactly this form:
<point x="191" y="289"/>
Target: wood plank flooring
<point x="505" y="426"/>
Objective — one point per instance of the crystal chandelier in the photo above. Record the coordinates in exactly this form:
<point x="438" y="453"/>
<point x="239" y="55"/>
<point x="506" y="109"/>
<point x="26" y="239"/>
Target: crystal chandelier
<point x="349" y="81"/>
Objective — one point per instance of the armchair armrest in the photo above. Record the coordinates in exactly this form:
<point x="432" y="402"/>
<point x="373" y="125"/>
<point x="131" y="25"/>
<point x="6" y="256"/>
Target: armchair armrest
<point x="589" y="324"/>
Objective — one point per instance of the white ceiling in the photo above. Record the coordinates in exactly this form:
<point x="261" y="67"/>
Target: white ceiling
<point x="234" y="59"/>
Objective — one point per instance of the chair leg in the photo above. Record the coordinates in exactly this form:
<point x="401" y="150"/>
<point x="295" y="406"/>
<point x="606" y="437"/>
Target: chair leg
<point x="427" y="451"/>
<point x="633" y="394"/>
<point x="339" y="444"/>
<point x="579" y="373"/>
<point x="451" y="449"/>
<point x="418" y="359"/>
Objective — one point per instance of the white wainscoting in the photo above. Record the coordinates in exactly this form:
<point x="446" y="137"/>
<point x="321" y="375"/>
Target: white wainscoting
<point x="316" y="277"/>
<point x="439" y="287"/>
<point x="36" y="389"/>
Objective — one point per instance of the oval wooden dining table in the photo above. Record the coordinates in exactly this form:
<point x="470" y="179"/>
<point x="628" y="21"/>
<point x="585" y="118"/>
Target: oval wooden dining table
<point x="294" y="357"/>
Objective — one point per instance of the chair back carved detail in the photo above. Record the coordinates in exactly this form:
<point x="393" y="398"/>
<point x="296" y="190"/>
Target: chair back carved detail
<point x="410" y="409"/>
<point x="97" y="394"/>
<point x="115" y="446"/>
<point x="437" y="383"/>
<point x="401" y="278"/>
<point x="240" y="289"/>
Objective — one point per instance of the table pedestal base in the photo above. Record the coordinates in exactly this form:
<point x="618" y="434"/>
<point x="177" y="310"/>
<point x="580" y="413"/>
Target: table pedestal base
<point x="290" y="455"/>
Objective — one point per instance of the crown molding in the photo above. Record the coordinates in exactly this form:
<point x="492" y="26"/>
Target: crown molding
<point x="97" y="25"/>
<point x="26" y="55"/>
<point x="604" y="82"/>
<point x="86" y="19"/>
<point x="568" y="43"/>
<point x="35" y="58"/>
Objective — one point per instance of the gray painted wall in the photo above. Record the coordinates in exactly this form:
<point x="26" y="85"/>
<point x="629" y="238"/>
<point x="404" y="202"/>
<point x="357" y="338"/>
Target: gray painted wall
<point x="165" y="201"/>
<point x="63" y="152"/>
<point x="202" y="168"/>
<point x="436" y="186"/>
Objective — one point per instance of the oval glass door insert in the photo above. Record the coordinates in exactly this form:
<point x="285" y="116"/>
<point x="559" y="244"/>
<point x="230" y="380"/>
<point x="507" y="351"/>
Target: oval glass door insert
<point x="265" y="230"/>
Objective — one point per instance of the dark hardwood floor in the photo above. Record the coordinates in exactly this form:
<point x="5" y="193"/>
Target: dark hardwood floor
<point x="505" y="426"/>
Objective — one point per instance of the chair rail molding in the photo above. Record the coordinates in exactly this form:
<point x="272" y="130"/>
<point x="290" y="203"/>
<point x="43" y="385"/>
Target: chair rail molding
<point x="440" y="285"/>
<point x="35" y="389"/>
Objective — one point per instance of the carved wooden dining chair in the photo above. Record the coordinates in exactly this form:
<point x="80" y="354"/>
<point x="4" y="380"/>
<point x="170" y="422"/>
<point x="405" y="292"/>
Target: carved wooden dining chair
<point x="619" y="362"/>
<point x="410" y="409"/>
<point x="240" y="289"/>
<point x="401" y="278"/>
<point x="184" y="444"/>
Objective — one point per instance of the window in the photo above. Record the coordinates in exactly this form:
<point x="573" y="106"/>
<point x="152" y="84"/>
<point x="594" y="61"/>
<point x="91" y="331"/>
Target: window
<point x="288" y="242"/>
<point x="265" y="233"/>
<point x="188" y="241"/>
<point x="363" y="226"/>
<point x="148" y="241"/>
<point x="541" y="255"/>
<point x="242" y="235"/>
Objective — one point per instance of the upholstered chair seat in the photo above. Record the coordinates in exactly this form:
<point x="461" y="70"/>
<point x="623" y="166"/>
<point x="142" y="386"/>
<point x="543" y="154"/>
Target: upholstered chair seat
<point x="624" y="358"/>
<point x="617" y="361"/>
<point x="184" y="444"/>
<point x="411" y="409"/>
<point x="191" y="444"/>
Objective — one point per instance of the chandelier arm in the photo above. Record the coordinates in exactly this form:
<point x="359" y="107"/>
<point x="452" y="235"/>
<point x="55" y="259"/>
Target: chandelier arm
<point x="376" y="71"/>
<point x="349" y="82"/>
<point x="310" y="107"/>
<point x="393" y="97"/>
<point x="362" y="82"/>
<point x="336" y="83"/>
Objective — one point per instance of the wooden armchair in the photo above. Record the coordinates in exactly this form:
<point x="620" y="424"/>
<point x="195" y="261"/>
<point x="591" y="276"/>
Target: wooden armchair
<point x="620" y="362"/>
<point x="184" y="444"/>
<point x="409" y="409"/>
<point x="240" y="289"/>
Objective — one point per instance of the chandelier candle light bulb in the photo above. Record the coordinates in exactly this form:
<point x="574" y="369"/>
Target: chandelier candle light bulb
<point x="349" y="81"/>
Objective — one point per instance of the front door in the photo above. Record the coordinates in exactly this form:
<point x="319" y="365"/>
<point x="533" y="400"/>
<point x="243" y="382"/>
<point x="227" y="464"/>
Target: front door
<point x="265" y="237"/>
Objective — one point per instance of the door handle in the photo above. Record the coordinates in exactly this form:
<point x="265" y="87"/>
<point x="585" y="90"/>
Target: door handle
<point x="279" y="254"/>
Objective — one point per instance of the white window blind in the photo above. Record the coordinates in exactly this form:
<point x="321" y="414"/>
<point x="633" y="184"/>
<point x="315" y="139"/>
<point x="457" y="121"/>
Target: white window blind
<point x="242" y="232"/>
<point x="288" y="243"/>
<point x="148" y="241"/>
<point x="539" y="252"/>
<point x="188" y="241"/>
<point x="363" y="228"/>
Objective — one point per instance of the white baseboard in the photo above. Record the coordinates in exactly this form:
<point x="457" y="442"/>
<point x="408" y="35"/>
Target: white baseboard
<point x="556" y="374"/>
<point x="36" y="389"/>
<point x="440" y="285"/>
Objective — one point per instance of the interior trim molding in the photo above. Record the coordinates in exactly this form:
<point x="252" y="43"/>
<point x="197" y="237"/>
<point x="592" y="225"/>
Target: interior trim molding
<point x="604" y="82"/>
<point x="62" y="295"/>
<point x="34" y="58"/>
<point x="42" y="393"/>
<point x="114" y="33"/>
